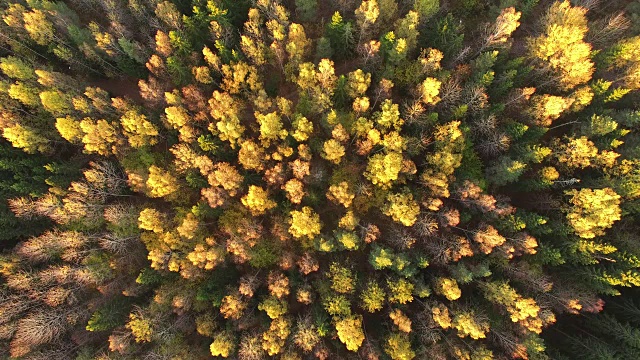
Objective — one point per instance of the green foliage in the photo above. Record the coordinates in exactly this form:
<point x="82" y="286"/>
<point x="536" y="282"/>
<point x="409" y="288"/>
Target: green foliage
<point x="112" y="315"/>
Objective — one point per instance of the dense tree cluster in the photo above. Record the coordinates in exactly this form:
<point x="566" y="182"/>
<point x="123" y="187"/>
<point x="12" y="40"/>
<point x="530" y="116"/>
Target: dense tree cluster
<point x="302" y="179"/>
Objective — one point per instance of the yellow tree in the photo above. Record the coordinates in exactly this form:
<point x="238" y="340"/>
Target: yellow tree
<point x="560" y="48"/>
<point x="161" y="183"/>
<point x="593" y="211"/>
<point x="402" y="208"/>
<point x="69" y="128"/>
<point x="430" y="88"/>
<point x="305" y="223"/>
<point x="271" y="128"/>
<point x="100" y="136"/>
<point x="26" y="138"/>
<point x="340" y="194"/>
<point x="39" y="28"/>
<point x="498" y="34"/>
<point x="225" y="109"/>
<point x="383" y="169"/>
<point x="138" y="129"/>
<point x="350" y="332"/>
<point x="257" y="200"/>
<point x="333" y="151"/>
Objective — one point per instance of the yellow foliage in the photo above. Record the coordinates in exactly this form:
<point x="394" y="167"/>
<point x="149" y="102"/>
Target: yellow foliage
<point x="225" y="175"/>
<point x="303" y="128"/>
<point x="139" y="131"/>
<point x="468" y="325"/>
<point x="448" y="288"/>
<point x="223" y="344"/>
<point x="257" y="200"/>
<point x="270" y="127"/>
<point x="383" y="169"/>
<point x="333" y="151"/>
<point x="251" y="155"/>
<point x="100" y="136"/>
<point x="140" y="328"/>
<point x="350" y="332"/>
<point x="593" y="211"/>
<point x="340" y="194"/>
<point x="177" y="116"/>
<point x="430" y="89"/>
<point x="561" y="47"/>
<point x="305" y="223"/>
<point x="24" y="137"/>
<point x="161" y="183"/>
<point x="273" y="340"/>
<point x="349" y="221"/>
<point x="295" y="190"/>
<point x="441" y="316"/>
<point x="402" y="208"/>
<point x="152" y="220"/>
<point x="233" y="306"/>
<point x="69" y="129"/>
<point x="401" y="320"/>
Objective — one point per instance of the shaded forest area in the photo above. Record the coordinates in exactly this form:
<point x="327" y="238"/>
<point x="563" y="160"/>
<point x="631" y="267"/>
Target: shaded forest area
<point x="304" y="179"/>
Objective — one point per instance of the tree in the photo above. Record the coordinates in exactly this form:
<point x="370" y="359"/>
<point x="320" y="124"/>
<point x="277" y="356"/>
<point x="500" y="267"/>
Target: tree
<point x="257" y="200"/>
<point x="499" y="32"/>
<point x="401" y="320"/>
<point x="306" y="336"/>
<point x="270" y="128"/>
<point x="274" y="338"/>
<point x="152" y="220"/>
<point x="233" y="306"/>
<point x="560" y="48"/>
<point x="333" y="151"/>
<point x="467" y="324"/>
<point x="430" y="89"/>
<point x="592" y="211"/>
<point x="69" y="129"/>
<point x="367" y="14"/>
<point x="400" y="291"/>
<point x="343" y="280"/>
<point x="372" y="297"/>
<point x="223" y="344"/>
<point x="161" y="183"/>
<point x="448" y="288"/>
<point x="398" y="347"/>
<point x="251" y="155"/>
<point x="39" y="28"/>
<point x="139" y="131"/>
<point x="295" y="190"/>
<point x="307" y="9"/>
<point x="383" y="169"/>
<point x="402" y="208"/>
<point x="16" y="68"/>
<point x="340" y="194"/>
<point x="350" y="332"/>
<point x="100" y="136"/>
<point x="576" y="153"/>
<point x="26" y="138"/>
<point x="305" y="223"/>
<point x="273" y="306"/>
<point x="55" y="102"/>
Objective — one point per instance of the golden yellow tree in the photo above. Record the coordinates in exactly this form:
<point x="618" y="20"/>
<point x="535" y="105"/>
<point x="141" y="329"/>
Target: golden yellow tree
<point x="161" y="182"/>
<point x="560" y="48"/>
<point x="257" y="200"/>
<point x="593" y="211"/>
<point x="305" y="223"/>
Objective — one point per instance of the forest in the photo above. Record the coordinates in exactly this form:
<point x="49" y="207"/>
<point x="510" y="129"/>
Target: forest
<point x="320" y="179"/>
